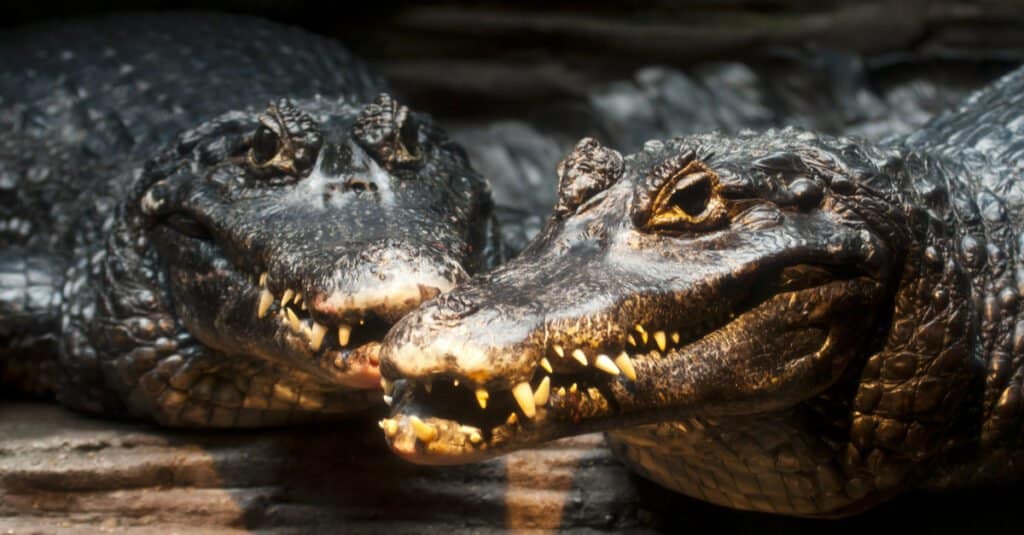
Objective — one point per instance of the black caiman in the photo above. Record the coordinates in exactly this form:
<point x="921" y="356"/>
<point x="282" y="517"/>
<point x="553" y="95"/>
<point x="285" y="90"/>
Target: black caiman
<point x="174" y="248"/>
<point x="783" y="321"/>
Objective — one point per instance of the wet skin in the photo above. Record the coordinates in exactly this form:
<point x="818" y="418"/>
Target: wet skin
<point x="216" y="261"/>
<point x="780" y="321"/>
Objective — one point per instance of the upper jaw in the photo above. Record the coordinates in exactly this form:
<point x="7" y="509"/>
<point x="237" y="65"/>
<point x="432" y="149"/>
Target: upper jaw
<point x="335" y="337"/>
<point x="632" y="371"/>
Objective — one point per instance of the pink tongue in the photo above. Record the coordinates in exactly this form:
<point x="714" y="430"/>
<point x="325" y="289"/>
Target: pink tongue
<point x="362" y="375"/>
<point x="363" y="370"/>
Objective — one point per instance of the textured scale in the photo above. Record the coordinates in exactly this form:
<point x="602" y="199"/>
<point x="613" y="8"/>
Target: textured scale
<point x="847" y="312"/>
<point x="136" y="221"/>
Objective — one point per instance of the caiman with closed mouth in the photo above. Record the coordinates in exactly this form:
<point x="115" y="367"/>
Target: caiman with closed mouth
<point x="173" y="248"/>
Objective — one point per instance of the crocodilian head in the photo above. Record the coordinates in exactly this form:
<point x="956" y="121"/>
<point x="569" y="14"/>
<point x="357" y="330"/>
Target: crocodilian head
<point x="703" y="276"/>
<point x="289" y="241"/>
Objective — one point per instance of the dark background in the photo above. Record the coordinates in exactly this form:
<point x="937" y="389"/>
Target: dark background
<point x="474" y="58"/>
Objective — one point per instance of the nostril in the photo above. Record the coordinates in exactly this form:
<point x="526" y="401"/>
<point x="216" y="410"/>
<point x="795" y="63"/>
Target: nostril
<point x="359" y="185"/>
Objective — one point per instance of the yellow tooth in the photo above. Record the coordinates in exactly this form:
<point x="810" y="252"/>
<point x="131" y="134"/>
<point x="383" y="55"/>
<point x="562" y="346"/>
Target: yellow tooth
<point x="481" y="397"/>
<point x="344" y="331"/>
<point x="606" y="365"/>
<point x="316" y="335"/>
<point x="561" y="391"/>
<point x="288" y="294"/>
<point x="675" y="338"/>
<point x="428" y="386"/>
<point x="455" y="382"/>
<point x="386" y="385"/>
<point x="474" y="437"/>
<point x="512" y="419"/>
<point x="266" y="298"/>
<point x="643" y="334"/>
<point x="298" y="298"/>
<point x="580" y="356"/>
<point x="424" y="431"/>
<point x="631" y="340"/>
<point x="626" y="365"/>
<point x="544" y="363"/>
<point x="573" y="388"/>
<point x="524" y="397"/>
<point x="540" y="396"/>
<point x="388" y="400"/>
<point x="659" y="338"/>
<point x="558" y="350"/>
<point x="263" y="279"/>
<point x="389" y="426"/>
<point x="293" y="320"/>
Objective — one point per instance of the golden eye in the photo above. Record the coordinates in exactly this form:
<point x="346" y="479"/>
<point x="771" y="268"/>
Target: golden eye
<point x="689" y="200"/>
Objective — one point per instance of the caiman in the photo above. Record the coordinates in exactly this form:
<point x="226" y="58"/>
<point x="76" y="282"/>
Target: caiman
<point x="174" y="248"/>
<point x="783" y="321"/>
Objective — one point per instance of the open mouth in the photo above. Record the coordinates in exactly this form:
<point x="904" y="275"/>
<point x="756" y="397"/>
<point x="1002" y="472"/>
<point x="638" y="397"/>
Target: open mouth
<point x="339" y="352"/>
<point x="446" y="418"/>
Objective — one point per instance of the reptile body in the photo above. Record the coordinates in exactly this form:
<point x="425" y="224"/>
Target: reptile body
<point x="783" y="321"/>
<point x="211" y="221"/>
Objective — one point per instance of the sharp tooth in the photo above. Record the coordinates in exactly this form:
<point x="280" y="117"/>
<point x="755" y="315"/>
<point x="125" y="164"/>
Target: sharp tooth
<point x="643" y="334"/>
<point x="344" y="331"/>
<point x="561" y="391"/>
<point x="540" y="396"/>
<point x="298" y="298"/>
<point x="293" y="320"/>
<point x="388" y="400"/>
<point x="544" y="363"/>
<point x="389" y="426"/>
<point x="266" y="298"/>
<point x="386" y="386"/>
<point x="573" y="388"/>
<point x="455" y="382"/>
<point x="580" y="356"/>
<point x="481" y="397"/>
<point x="474" y="437"/>
<point x="263" y="278"/>
<point x="287" y="296"/>
<point x="675" y="338"/>
<point x="512" y="419"/>
<point x="594" y="393"/>
<point x="659" y="338"/>
<point x="424" y="431"/>
<point x="631" y="340"/>
<point x="626" y="365"/>
<point x="428" y="385"/>
<point x="558" y="350"/>
<point x="606" y="365"/>
<point x="524" y="397"/>
<point x="316" y="335"/>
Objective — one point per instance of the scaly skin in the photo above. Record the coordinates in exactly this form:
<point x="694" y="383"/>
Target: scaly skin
<point x="172" y="248"/>
<point x="785" y="322"/>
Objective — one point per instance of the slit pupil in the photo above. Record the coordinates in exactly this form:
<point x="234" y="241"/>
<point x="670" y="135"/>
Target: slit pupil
<point x="693" y="198"/>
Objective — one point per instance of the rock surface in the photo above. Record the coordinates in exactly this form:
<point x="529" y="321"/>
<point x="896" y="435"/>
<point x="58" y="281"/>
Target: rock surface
<point x="64" y="473"/>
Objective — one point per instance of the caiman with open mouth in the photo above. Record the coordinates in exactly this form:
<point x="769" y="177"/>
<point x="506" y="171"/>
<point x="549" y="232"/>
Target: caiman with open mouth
<point x="782" y="321"/>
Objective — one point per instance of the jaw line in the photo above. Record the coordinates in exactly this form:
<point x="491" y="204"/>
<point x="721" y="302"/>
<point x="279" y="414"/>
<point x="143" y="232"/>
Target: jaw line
<point x="562" y="416"/>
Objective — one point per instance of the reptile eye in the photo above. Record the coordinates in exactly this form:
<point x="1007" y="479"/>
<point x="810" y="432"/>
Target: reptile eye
<point x="187" y="225"/>
<point x="688" y="201"/>
<point x="692" y="198"/>
<point x="265" y="145"/>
